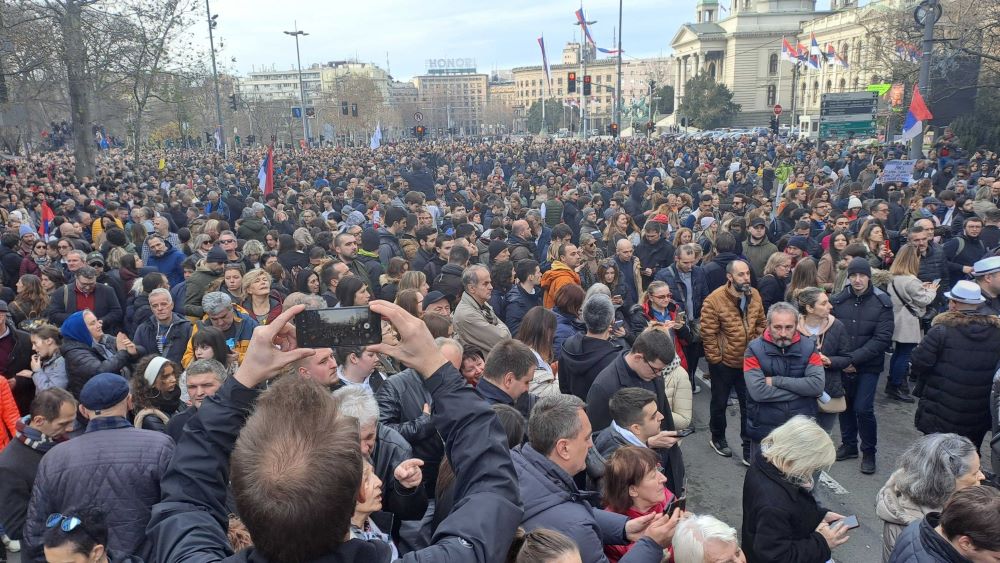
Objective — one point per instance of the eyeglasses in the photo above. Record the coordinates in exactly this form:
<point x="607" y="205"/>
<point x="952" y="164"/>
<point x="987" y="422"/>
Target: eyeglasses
<point x="664" y="296"/>
<point x="662" y="371"/>
<point x="228" y="241"/>
<point x="65" y="523"/>
<point x="207" y="243"/>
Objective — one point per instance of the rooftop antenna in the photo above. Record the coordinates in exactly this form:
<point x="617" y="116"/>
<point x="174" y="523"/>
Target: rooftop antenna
<point x="387" y="69"/>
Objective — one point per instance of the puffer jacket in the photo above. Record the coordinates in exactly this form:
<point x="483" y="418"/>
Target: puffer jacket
<point x="896" y="512"/>
<point x="552" y="500"/>
<point x="241" y="334"/>
<point x="868" y="319"/>
<point x="449" y="282"/>
<point x="252" y="228"/>
<point x="920" y="543"/>
<point x="84" y="361"/>
<point x="519" y="302"/>
<point x="93" y="470"/>
<point x="726" y="330"/>
<point x="677" y="386"/>
<point x="954" y="365"/>
<point x="553" y="280"/>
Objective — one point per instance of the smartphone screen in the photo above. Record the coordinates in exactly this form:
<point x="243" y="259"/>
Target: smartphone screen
<point x="850" y="522"/>
<point x="686" y="432"/>
<point x="675" y="503"/>
<point x="338" y="326"/>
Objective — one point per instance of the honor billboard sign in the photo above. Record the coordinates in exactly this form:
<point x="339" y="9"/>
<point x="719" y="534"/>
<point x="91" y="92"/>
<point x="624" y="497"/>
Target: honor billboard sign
<point x="451" y="66"/>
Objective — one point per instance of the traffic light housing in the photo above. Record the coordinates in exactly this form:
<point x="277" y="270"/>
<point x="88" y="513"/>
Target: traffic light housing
<point x="613" y="129"/>
<point x="571" y="83"/>
<point x="420" y="131"/>
<point x="233" y="102"/>
<point x="586" y="85"/>
<point x="774" y="124"/>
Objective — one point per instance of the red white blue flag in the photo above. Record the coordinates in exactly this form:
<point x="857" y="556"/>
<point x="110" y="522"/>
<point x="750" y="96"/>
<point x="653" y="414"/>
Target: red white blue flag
<point x="47" y="217"/>
<point x="583" y="24"/>
<point x="545" y="62"/>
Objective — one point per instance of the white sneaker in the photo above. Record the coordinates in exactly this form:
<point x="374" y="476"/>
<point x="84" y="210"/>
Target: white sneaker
<point x="12" y="546"/>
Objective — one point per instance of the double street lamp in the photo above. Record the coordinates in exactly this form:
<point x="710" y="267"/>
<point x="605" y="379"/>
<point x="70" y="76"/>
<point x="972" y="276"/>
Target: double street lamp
<point x="302" y="90"/>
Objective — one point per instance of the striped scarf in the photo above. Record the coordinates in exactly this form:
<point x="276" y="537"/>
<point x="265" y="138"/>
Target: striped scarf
<point x="32" y="437"/>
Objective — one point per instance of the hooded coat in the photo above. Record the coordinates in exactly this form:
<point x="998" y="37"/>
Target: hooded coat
<point x="954" y="365"/>
<point x="252" y="228"/>
<point x="582" y="358"/>
<point x="896" y="511"/>
<point x="196" y="287"/>
<point x="553" y="280"/>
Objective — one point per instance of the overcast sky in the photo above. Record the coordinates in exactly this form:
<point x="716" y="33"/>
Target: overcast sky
<point x="498" y="34"/>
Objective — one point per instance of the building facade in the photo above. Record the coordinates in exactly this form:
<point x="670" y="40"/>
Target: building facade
<point x="453" y="97"/>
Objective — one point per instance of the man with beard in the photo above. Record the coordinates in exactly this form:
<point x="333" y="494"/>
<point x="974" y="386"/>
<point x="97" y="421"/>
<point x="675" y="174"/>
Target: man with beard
<point x="784" y="374"/>
<point x="731" y="317"/>
<point x="963" y="251"/>
<point x="654" y="251"/>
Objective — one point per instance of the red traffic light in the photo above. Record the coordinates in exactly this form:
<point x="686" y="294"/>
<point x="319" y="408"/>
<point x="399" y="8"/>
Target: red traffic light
<point x="586" y="79"/>
<point x="572" y="77"/>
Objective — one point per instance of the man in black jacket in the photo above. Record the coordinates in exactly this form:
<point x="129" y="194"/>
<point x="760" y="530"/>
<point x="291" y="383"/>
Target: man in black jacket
<point x="642" y="367"/>
<point x="86" y="293"/>
<point x="449" y="281"/>
<point x="654" y="252"/>
<point x="316" y="523"/>
<point x="867" y="313"/>
<point x="584" y="356"/>
<point x="962" y="251"/>
<point x="51" y="416"/>
<point x="426" y="242"/>
<point x="509" y="369"/>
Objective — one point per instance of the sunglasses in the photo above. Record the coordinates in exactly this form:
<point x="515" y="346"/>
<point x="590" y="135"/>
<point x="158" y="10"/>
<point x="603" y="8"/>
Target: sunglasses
<point x="65" y="523"/>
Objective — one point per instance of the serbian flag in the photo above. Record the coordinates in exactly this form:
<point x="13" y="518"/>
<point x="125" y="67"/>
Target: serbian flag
<point x="803" y="54"/>
<point x="914" y="123"/>
<point x="788" y="51"/>
<point x="265" y="176"/>
<point x="47" y="217"/>
<point x="831" y="54"/>
<point x="583" y="23"/>
<point x="814" y="52"/>
<point x="610" y="51"/>
<point x="545" y="63"/>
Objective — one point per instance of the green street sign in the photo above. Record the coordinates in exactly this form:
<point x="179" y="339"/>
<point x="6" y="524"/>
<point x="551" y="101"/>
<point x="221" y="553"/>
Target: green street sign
<point x="846" y="129"/>
<point x="880" y="88"/>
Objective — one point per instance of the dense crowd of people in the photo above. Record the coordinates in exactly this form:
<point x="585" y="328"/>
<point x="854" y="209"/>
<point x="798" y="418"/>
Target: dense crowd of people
<point x="549" y="310"/>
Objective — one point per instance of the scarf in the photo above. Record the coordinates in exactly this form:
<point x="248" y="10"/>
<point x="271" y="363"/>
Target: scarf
<point x="167" y="403"/>
<point x="41" y="262"/>
<point x="32" y="437"/>
<point x="367" y="253"/>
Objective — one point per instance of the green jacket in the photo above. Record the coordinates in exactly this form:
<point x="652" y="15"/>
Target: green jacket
<point x="196" y="287"/>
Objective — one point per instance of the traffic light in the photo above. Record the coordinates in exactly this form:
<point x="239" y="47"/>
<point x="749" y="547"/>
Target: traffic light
<point x="343" y="108"/>
<point x="571" y="83"/>
<point x="774" y="124"/>
<point x="586" y="84"/>
<point x="420" y="131"/>
<point x="233" y="102"/>
<point x="251" y="139"/>
<point x="208" y="137"/>
<point x="613" y="129"/>
<point x="310" y="112"/>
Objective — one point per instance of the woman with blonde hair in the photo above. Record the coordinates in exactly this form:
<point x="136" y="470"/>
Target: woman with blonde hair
<point x="774" y="282"/>
<point x="258" y="301"/>
<point x="910" y="299"/>
<point x="414" y="280"/>
<point x="782" y="521"/>
<point x="619" y="227"/>
<point x="683" y="236"/>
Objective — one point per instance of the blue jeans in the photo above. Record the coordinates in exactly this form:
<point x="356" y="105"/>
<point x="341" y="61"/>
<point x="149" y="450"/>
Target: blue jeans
<point x="899" y="363"/>
<point x="859" y="418"/>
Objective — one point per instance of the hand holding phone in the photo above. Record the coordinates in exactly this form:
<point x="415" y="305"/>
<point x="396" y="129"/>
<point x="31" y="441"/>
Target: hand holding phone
<point x="849" y="522"/>
<point x="676" y="503"/>
<point x="685" y="432"/>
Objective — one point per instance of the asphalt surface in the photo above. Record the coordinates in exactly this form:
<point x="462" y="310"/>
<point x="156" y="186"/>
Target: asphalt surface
<point x="715" y="483"/>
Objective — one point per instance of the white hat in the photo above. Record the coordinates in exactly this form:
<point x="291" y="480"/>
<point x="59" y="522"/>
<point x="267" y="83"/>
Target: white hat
<point x="853" y="203"/>
<point x="966" y="292"/>
<point x="986" y="266"/>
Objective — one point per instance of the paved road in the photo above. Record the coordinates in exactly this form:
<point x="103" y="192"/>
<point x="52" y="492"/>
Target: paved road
<point x="715" y="484"/>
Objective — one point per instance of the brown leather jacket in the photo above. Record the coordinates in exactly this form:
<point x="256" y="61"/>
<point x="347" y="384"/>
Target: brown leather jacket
<point x="725" y="330"/>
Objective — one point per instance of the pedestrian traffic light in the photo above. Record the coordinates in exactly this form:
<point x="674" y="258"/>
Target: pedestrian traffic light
<point x="310" y="112"/>
<point x="233" y="102"/>
<point x="571" y="83"/>
<point x="274" y="139"/>
<point x="613" y="129"/>
<point x="251" y="139"/>
<point x="586" y="84"/>
<point x="208" y="137"/>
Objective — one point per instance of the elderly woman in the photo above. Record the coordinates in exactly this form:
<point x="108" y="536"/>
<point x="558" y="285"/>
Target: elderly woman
<point x="87" y="351"/>
<point x="260" y="304"/>
<point x="782" y="521"/>
<point x="930" y="470"/>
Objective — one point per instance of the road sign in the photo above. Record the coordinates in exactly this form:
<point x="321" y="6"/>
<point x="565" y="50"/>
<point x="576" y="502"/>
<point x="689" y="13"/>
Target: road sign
<point x="777" y="109"/>
<point x="847" y="115"/>
<point x="418" y="117"/>
<point x="297" y="113"/>
<point x="881" y="88"/>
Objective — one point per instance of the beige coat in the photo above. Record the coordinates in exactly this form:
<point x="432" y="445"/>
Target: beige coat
<point x="896" y="512"/>
<point x="677" y="387"/>
<point x="906" y="327"/>
<point x="478" y="325"/>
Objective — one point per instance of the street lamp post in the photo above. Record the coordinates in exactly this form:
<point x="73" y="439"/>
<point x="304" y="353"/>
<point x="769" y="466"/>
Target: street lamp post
<point x="215" y="75"/>
<point x="618" y="91"/>
<point x="302" y="89"/>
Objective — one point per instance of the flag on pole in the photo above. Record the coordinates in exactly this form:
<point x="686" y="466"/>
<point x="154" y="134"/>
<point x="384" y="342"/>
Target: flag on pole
<point x="47" y="217"/>
<point x="788" y="51"/>
<point x="831" y="54"/>
<point x="803" y="54"/>
<point x="265" y="176"/>
<point x="545" y="62"/>
<point x="814" y="51"/>
<point x="914" y="123"/>
<point x="610" y="51"/>
<point x="376" y="140"/>
<point x="583" y="23"/>
<point x="839" y="59"/>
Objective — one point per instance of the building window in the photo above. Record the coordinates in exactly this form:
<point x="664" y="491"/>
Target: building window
<point x="772" y="95"/>
<point x="772" y="64"/>
<point x="843" y="85"/>
<point x="816" y="92"/>
<point x="607" y="78"/>
<point x="829" y="86"/>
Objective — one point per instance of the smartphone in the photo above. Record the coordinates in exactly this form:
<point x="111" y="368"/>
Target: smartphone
<point x="849" y="522"/>
<point x="619" y="324"/>
<point x="937" y="281"/>
<point x="675" y="503"/>
<point x="887" y="246"/>
<point x="686" y="432"/>
<point x="338" y="326"/>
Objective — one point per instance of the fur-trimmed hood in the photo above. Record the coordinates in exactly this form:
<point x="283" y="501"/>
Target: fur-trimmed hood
<point x="973" y="325"/>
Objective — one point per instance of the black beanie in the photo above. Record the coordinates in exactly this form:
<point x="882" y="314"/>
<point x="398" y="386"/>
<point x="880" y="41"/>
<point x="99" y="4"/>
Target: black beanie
<point x="859" y="265"/>
<point x="369" y="240"/>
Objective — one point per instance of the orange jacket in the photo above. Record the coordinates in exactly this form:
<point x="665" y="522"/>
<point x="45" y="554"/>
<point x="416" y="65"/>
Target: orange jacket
<point x="9" y="414"/>
<point x="554" y="279"/>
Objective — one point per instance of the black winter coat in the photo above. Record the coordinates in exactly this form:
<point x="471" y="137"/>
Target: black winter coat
<point x="715" y="271"/>
<point x="617" y="375"/>
<point x="449" y="282"/>
<point x="18" y="465"/>
<point x="177" y="337"/>
<point x="835" y="344"/>
<point x="581" y="360"/>
<point x="869" y="323"/>
<point x="954" y="365"/>
<point x="84" y="362"/>
<point x="62" y="304"/>
<point x="19" y="359"/>
<point x="934" y="266"/>
<point x="780" y="519"/>
<point x="519" y="302"/>
<point x="772" y="290"/>
<point x="391" y="450"/>
<point x="656" y="256"/>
